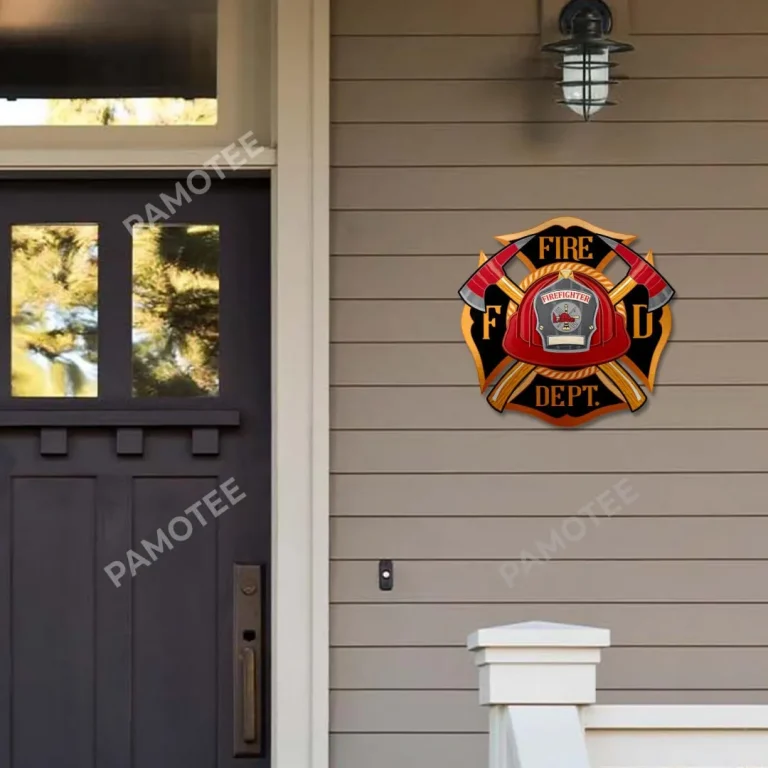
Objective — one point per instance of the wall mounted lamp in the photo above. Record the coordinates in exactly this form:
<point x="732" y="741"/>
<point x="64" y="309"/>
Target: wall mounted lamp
<point x="585" y="52"/>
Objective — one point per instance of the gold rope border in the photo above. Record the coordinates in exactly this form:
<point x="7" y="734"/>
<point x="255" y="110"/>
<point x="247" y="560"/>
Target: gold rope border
<point x="582" y="373"/>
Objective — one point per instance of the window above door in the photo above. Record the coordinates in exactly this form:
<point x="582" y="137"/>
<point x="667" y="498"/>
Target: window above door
<point x="119" y="83"/>
<point x="115" y="62"/>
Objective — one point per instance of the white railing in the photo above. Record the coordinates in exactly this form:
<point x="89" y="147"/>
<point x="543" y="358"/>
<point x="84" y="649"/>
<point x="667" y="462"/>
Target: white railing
<point x="539" y="682"/>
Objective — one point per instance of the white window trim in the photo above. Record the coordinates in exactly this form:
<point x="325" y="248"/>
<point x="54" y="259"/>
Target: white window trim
<point x="123" y="158"/>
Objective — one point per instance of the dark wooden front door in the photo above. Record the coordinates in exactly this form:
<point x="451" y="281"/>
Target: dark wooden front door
<point x="134" y="384"/>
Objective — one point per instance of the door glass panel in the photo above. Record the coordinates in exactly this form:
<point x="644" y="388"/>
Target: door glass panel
<point x="54" y="305"/>
<point x="175" y="310"/>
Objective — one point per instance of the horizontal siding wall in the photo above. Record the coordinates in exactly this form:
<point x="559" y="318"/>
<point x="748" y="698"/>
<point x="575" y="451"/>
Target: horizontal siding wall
<point x="445" y="134"/>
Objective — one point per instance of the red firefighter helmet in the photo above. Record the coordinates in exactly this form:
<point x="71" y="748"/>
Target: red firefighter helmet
<point x="566" y="320"/>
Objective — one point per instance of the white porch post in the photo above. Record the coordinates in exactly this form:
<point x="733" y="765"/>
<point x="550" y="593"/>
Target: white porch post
<point x="534" y="676"/>
<point x="300" y="387"/>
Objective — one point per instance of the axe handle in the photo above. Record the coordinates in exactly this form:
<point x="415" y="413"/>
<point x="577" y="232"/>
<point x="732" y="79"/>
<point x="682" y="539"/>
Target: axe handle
<point x="632" y="395"/>
<point x="516" y="378"/>
<point x="627" y="255"/>
<point x="659" y="290"/>
<point x="622" y="289"/>
<point x="512" y="289"/>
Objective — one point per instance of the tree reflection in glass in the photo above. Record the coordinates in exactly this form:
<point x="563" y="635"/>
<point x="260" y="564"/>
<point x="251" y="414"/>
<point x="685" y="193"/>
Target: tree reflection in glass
<point x="54" y="306"/>
<point x="104" y="112"/>
<point x="175" y="310"/>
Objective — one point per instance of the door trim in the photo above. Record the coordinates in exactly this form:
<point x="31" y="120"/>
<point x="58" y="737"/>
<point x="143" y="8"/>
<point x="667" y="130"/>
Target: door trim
<point x="301" y="377"/>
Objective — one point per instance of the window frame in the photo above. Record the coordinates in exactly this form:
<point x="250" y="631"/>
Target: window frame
<point x="244" y="104"/>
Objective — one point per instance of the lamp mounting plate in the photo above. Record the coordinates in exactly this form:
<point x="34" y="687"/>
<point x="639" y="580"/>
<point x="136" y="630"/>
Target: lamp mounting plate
<point x="574" y="8"/>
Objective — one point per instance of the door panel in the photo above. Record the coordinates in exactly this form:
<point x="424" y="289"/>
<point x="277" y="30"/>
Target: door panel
<point x="53" y="620"/>
<point x="169" y="667"/>
<point x="140" y="676"/>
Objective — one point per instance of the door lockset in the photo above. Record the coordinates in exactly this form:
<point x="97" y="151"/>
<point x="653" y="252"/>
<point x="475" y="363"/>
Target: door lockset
<point x="248" y="633"/>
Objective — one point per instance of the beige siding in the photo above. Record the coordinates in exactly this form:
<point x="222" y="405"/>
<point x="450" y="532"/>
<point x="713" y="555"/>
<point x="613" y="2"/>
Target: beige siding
<point x="490" y="538"/>
<point x="409" y="408"/>
<point x="444" y="135"/>
<point x="701" y="276"/>
<point x="543" y="452"/>
<point x="438" y="232"/>
<point x="530" y="101"/>
<point x="477" y="189"/>
<point x="513" y="494"/>
<point x="452" y="669"/>
<point x="640" y="624"/>
<point x="603" y="581"/>
<point x="405" y="320"/>
<point x="501" y="57"/>
<point x="445" y="364"/>
<point x="571" y="144"/>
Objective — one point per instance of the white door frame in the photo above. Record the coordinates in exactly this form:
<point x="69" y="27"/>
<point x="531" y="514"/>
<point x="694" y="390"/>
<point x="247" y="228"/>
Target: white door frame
<point x="299" y="167"/>
<point x="300" y="365"/>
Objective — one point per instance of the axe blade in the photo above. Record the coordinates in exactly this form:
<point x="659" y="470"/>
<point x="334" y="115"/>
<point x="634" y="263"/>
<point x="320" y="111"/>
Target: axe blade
<point x="660" y="292"/>
<point x="471" y="298"/>
<point x="489" y="273"/>
<point x="664" y="296"/>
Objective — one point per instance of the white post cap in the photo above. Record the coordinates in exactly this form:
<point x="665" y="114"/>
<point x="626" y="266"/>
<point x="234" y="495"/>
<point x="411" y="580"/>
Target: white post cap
<point x="538" y="662"/>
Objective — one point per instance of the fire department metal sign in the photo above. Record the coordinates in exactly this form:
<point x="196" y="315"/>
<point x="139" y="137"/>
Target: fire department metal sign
<point x="566" y="344"/>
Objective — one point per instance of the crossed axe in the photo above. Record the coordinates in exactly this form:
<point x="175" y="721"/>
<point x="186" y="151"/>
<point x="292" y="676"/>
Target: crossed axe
<point x="520" y="375"/>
